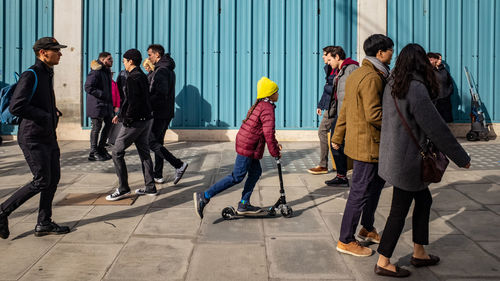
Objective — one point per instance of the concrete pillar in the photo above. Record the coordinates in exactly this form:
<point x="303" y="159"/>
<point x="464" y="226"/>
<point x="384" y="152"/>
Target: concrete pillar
<point x="372" y="19"/>
<point x="68" y="74"/>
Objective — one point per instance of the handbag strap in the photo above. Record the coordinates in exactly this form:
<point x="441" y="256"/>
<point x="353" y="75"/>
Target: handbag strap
<point x="407" y="127"/>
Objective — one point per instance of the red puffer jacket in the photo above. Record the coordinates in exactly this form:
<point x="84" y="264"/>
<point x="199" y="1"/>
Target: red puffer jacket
<point x="257" y="131"/>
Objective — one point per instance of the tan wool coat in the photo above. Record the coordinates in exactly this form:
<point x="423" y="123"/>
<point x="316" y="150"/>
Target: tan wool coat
<point x="360" y="117"/>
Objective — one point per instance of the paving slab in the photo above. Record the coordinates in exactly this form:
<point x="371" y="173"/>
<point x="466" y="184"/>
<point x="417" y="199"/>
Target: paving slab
<point x="175" y="221"/>
<point x="117" y="211"/>
<point x="152" y="259"/>
<point x="494" y="208"/>
<point x="103" y="230"/>
<point x="97" y="180"/>
<point x="289" y="180"/>
<point x="488" y="193"/>
<point x="461" y="257"/>
<point x="330" y="200"/>
<point x="477" y="225"/>
<point x="74" y="262"/>
<point x="492" y="248"/>
<point x="298" y="198"/>
<point x="318" y="259"/>
<point x="14" y="181"/>
<point x="245" y="230"/>
<point x="316" y="181"/>
<point x="446" y="199"/>
<point x="63" y="215"/>
<point x="20" y="254"/>
<point x="228" y="262"/>
<point x="304" y="223"/>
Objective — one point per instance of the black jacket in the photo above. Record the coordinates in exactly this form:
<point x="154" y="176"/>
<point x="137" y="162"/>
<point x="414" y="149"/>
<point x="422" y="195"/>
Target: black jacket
<point x="98" y="88"/>
<point x="443" y="100"/>
<point x="324" y="102"/>
<point x="38" y="115"/>
<point x="162" y="88"/>
<point x="136" y="105"/>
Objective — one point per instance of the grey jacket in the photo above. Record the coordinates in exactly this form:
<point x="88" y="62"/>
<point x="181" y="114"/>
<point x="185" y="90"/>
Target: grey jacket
<point x="399" y="157"/>
<point x="336" y="105"/>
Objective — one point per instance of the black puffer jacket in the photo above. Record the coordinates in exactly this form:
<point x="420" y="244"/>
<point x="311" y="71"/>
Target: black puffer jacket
<point x="162" y="88"/>
<point x="324" y="102"/>
<point x="136" y="104"/>
<point x="443" y="101"/>
<point x="98" y="89"/>
<point x="38" y="113"/>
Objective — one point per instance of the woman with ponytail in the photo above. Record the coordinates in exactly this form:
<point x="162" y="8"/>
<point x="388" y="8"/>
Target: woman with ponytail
<point x="257" y="130"/>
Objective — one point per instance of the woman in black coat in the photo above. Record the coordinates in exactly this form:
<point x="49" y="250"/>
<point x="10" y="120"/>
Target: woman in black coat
<point x="410" y="91"/>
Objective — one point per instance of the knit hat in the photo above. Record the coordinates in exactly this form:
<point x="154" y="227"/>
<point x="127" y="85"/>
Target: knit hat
<point x="134" y="55"/>
<point x="266" y="88"/>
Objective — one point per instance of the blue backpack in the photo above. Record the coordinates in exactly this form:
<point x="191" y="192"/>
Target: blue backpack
<point x="6" y="93"/>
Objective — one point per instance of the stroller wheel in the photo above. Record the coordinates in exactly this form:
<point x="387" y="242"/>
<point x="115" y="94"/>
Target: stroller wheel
<point x="271" y="212"/>
<point x="228" y="213"/>
<point x="472" y="136"/>
<point x="286" y="211"/>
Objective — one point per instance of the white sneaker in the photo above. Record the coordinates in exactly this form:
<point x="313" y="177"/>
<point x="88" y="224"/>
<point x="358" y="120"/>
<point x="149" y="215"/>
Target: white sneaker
<point x="159" y="180"/>
<point x="180" y="172"/>
<point x="117" y="195"/>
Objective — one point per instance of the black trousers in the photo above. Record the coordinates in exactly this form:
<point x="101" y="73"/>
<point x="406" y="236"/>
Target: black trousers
<point x="401" y="202"/>
<point x="339" y="157"/>
<point x="42" y="157"/>
<point x="156" y="141"/>
<point x="97" y="144"/>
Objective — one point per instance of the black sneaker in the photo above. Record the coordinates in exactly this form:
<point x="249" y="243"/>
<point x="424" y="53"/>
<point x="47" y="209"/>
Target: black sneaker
<point x="101" y="157"/>
<point x="117" y="195"/>
<point x="92" y="157"/>
<point x="4" y="227"/>
<point x="180" y="172"/>
<point x="51" y="228"/>
<point x="338" y="181"/>
<point x="199" y="203"/>
<point x="145" y="191"/>
<point x="247" y="208"/>
<point x="104" y="153"/>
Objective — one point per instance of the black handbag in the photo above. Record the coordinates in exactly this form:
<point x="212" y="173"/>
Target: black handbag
<point x="434" y="162"/>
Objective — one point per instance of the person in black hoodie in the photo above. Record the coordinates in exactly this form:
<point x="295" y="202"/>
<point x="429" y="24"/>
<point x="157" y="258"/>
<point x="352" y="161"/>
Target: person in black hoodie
<point x="162" y="93"/>
<point x="37" y="138"/>
<point x="443" y="100"/>
<point x="135" y="115"/>
<point x="99" y="105"/>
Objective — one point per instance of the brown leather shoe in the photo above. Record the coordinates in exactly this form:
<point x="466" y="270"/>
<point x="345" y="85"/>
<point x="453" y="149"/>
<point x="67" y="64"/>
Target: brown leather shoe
<point x="433" y="260"/>
<point x="369" y="236"/>
<point x="354" y="248"/>
<point x="318" y="170"/>
<point x="399" y="273"/>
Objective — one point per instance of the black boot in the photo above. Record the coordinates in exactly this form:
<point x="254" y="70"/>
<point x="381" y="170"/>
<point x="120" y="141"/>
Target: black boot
<point x="92" y="156"/>
<point x="50" y="228"/>
<point x="4" y="226"/>
<point x="338" y="181"/>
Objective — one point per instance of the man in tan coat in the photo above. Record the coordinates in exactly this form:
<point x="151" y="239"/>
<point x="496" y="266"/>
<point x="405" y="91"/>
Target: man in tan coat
<point x="359" y="124"/>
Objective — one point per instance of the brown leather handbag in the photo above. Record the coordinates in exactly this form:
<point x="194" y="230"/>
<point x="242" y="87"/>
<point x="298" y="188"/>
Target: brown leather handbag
<point x="434" y="162"/>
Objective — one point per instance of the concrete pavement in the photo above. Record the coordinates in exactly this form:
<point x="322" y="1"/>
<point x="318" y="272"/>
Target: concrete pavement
<point x="161" y="238"/>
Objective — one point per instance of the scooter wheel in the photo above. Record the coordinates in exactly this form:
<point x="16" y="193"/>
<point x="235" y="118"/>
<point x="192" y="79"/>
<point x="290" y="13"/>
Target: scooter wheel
<point x="228" y="213"/>
<point x="271" y="212"/>
<point x="286" y="211"/>
<point x="472" y="136"/>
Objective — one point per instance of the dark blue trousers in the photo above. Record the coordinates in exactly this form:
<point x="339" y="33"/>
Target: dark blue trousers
<point x="242" y="166"/>
<point x="339" y="157"/>
<point x="363" y="199"/>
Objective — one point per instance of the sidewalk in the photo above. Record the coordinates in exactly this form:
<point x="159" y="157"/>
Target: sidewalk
<point x="161" y="238"/>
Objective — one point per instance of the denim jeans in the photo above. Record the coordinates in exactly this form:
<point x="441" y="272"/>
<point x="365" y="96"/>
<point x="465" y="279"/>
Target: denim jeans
<point x="242" y="166"/>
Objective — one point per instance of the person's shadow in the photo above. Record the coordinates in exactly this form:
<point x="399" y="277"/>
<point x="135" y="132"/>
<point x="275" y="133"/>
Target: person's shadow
<point x="193" y="111"/>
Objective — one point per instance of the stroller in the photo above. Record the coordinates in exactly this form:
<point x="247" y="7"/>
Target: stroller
<point x="479" y="129"/>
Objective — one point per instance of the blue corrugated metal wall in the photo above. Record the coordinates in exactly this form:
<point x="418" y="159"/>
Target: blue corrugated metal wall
<point x="222" y="48"/>
<point x="21" y="23"/>
<point x="466" y="33"/>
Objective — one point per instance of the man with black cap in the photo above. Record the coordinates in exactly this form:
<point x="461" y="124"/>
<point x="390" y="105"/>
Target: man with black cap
<point x="37" y="137"/>
<point x="135" y="115"/>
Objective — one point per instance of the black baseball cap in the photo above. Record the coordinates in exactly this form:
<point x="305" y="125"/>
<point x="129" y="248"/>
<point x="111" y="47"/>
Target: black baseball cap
<point x="47" y="43"/>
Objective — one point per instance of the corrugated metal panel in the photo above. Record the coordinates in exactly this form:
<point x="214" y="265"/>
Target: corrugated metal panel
<point x="21" y="23"/>
<point x="466" y="33"/>
<point x="222" y="47"/>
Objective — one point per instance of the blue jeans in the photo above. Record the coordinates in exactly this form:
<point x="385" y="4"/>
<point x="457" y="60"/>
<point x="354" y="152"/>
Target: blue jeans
<point x="242" y="166"/>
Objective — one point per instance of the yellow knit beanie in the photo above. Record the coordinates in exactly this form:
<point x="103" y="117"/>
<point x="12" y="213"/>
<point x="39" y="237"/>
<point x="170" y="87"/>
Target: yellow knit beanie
<point x="266" y="88"/>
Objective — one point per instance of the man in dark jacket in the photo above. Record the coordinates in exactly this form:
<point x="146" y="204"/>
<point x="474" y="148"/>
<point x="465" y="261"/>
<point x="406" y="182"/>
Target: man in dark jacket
<point x="135" y="115"/>
<point x="443" y="100"/>
<point x="162" y="93"/>
<point x="37" y="138"/>
<point x="326" y="121"/>
<point x="99" y="105"/>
